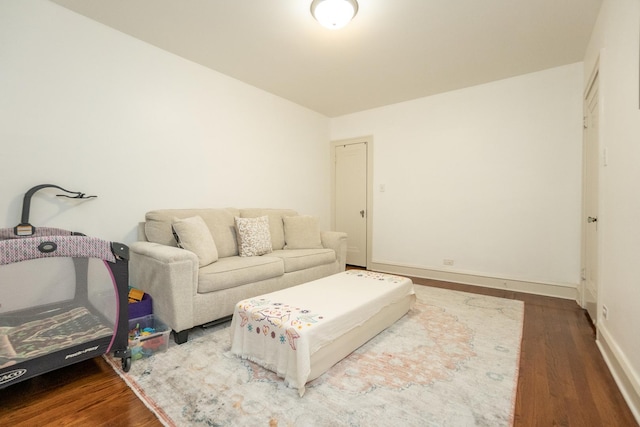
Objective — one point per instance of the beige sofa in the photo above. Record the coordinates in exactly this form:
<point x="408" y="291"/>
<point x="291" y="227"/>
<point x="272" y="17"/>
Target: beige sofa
<point x="201" y="281"/>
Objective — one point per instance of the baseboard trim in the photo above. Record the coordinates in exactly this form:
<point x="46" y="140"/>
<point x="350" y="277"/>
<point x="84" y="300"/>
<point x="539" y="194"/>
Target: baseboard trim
<point x="538" y="288"/>
<point x="627" y="381"/>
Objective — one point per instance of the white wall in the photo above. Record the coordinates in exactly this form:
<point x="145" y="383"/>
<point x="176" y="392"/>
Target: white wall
<point x="91" y="109"/>
<point x="615" y="42"/>
<point x="487" y="176"/>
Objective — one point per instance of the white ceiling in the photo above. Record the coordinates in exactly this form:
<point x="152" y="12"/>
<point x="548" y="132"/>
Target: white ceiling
<point x="393" y="51"/>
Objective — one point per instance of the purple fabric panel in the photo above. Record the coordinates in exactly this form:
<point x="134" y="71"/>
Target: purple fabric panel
<point x="16" y="250"/>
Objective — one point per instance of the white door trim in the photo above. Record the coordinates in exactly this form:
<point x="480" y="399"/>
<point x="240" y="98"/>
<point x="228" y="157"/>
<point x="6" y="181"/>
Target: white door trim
<point x="369" y="215"/>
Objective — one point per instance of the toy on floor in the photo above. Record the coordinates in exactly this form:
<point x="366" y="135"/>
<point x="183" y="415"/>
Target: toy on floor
<point x="135" y="295"/>
<point x="138" y="332"/>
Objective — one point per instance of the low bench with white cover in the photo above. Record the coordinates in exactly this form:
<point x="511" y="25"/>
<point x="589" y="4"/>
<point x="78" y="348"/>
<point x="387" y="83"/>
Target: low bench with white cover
<point x="301" y="332"/>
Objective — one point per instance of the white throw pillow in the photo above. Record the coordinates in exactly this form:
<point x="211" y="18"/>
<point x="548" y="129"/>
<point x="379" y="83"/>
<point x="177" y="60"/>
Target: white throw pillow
<point x="193" y="235"/>
<point x="254" y="238"/>
<point x="301" y="232"/>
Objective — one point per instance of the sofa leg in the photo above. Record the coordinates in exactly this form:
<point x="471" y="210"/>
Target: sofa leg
<point x="181" y="337"/>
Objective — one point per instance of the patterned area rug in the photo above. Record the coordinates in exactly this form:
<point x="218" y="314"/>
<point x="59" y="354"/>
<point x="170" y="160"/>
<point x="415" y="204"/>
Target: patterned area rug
<point x="451" y="361"/>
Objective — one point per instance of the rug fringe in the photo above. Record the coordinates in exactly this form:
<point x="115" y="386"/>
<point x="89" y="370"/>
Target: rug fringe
<point x="516" y="377"/>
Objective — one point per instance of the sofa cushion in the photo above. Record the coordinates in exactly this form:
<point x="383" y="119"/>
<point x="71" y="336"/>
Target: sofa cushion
<point x="220" y="222"/>
<point x="301" y="259"/>
<point x="301" y="232"/>
<point x="237" y="271"/>
<point x="253" y="235"/>
<point x="193" y="235"/>
<point x="276" y="225"/>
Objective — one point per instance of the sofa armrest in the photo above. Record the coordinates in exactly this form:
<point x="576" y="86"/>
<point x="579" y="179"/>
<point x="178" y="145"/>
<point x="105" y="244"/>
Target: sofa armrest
<point x="337" y="241"/>
<point x="170" y="276"/>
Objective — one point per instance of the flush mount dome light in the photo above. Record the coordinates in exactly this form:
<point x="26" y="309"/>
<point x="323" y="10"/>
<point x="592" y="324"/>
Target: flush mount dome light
<point x="334" y="14"/>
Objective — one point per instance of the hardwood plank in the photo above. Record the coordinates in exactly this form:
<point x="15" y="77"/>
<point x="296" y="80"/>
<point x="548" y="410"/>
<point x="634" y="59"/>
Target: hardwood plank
<point x="86" y="393"/>
<point x="563" y="379"/>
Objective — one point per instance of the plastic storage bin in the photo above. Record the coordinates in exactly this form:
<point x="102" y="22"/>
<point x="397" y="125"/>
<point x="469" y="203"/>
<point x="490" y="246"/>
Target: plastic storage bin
<point x="141" y="308"/>
<point x="147" y="336"/>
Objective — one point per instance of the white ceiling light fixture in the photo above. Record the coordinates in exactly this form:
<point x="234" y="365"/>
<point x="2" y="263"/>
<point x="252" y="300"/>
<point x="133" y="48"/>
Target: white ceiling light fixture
<point x="334" y="14"/>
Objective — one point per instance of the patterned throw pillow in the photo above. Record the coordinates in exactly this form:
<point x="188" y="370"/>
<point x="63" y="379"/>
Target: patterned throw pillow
<point x="254" y="238"/>
<point x="193" y="235"/>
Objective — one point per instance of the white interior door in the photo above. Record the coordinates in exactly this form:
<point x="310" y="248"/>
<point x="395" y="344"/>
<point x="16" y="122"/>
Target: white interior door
<point x="350" y="195"/>
<point x="590" y="220"/>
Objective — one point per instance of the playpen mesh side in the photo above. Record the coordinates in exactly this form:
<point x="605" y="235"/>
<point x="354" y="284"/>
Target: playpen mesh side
<point x="32" y="331"/>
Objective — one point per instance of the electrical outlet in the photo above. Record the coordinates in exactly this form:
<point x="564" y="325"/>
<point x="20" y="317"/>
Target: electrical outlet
<point x="447" y="261"/>
<point x="605" y="312"/>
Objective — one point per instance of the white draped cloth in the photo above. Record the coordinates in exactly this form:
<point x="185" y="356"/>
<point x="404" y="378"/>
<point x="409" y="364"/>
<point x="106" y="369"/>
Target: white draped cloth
<point x="282" y="330"/>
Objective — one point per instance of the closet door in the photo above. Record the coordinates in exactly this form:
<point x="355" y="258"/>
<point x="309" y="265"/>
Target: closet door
<point x="350" y="199"/>
<point x="590" y="209"/>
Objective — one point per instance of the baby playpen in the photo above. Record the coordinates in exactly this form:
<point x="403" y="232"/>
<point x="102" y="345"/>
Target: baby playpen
<point x="63" y="298"/>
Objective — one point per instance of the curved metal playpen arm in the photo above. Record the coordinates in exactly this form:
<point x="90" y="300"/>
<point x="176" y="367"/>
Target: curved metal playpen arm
<point x="24" y="228"/>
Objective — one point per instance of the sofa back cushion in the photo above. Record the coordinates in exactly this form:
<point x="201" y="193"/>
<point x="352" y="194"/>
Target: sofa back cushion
<point x="220" y="222"/>
<point x="302" y="232"/>
<point x="276" y="224"/>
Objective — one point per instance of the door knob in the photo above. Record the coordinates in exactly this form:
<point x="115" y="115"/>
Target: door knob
<point x="362" y="213"/>
<point x="592" y="219"/>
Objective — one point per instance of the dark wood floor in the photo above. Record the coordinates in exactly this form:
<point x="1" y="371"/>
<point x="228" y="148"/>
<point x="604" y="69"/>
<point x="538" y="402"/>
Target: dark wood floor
<point x="563" y="379"/>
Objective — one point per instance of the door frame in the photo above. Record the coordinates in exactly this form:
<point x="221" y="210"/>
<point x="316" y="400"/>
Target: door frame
<point x="594" y="77"/>
<point x="369" y="213"/>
